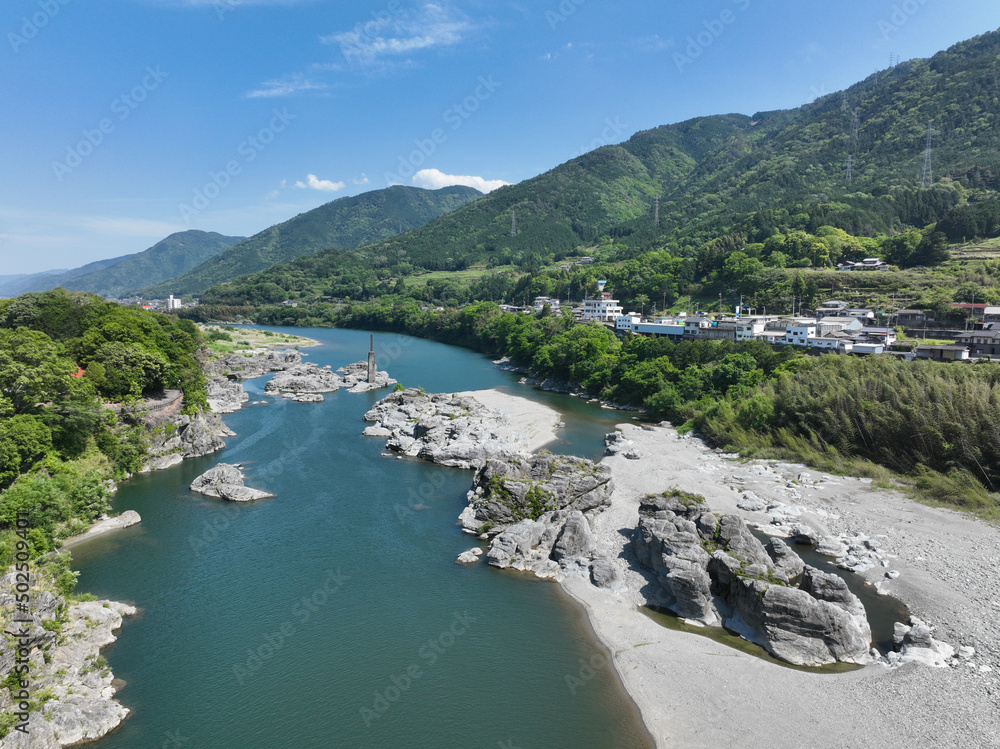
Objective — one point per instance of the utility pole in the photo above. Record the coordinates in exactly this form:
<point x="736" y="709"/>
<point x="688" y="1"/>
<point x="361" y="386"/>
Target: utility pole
<point x="925" y="177"/>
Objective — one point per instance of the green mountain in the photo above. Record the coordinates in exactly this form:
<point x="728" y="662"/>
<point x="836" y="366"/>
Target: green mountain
<point x="340" y="224"/>
<point x="739" y="175"/>
<point x="121" y="276"/>
<point x="49" y="279"/>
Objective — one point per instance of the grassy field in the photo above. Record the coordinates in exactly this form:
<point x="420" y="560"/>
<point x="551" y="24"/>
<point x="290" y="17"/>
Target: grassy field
<point x="247" y="338"/>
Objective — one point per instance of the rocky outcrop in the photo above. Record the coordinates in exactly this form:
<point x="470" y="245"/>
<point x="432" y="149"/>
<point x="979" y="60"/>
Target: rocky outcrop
<point x="710" y="569"/>
<point x="226" y="482"/>
<point x="535" y="509"/>
<point x="185" y="436"/>
<point x="67" y="674"/>
<point x="505" y="492"/>
<point x="253" y="364"/>
<point x="356" y="378"/>
<point x="225" y="396"/>
<point x="308" y="380"/>
<point x="443" y="428"/>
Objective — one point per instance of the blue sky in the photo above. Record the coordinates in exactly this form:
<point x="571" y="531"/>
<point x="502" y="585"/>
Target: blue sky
<point x="127" y="120"/>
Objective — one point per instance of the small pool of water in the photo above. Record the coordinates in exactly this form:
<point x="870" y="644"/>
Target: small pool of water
<point x="883" y="611"/>
<point x="671" y="621"/>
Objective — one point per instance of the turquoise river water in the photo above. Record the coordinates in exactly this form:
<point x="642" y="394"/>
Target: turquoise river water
<point x="334" y="615"/>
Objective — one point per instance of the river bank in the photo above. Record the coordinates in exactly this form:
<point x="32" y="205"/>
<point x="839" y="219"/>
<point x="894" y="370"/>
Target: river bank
<point x="693" y="691"/>
<point x="536" y="422"/>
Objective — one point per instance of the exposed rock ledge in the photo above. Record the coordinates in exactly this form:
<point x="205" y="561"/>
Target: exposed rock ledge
<point x="225" y="481"/>
<point x="309" y="379"/>
<point x="535" y="509"/>
<point x="184" y="436"/>
<point x="711" y="568"/>
<point x="225" y="394"/>
<point x="449" y="429"/>
<point x="65" y="667"/>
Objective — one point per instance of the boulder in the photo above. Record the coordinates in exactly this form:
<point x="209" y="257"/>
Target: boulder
<point x="225" y="481"/>
<point x="788" y="565"/>
<point x="225" y="395"/>
<point x="709" y="568"/>
<point x="575" y="539"/>
<point x="311" y="380"/>
<point x="603" y="573"/>
<point x="184" y="436"/>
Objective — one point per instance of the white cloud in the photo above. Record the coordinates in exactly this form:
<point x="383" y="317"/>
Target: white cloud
<point x="400" y="33"/>
<point x="433" y="179"/>
<point x="362" y="180"/>
<point x="286" y="86"/>
<point x="323" y="185"/>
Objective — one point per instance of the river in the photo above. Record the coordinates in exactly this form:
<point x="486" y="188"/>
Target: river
<point x="334" y="615"/>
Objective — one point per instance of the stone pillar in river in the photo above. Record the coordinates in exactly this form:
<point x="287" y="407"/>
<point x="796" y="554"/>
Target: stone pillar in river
<point x="371" y="361"/>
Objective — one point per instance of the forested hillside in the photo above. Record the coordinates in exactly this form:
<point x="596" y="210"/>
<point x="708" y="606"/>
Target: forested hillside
<point x="342" y="224"/>
<point x="61" y="356"/>
<point x="725" y="181"/>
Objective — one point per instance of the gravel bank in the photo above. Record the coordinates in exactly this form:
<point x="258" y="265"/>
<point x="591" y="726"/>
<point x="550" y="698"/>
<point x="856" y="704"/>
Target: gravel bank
<point x="694" y="692"/>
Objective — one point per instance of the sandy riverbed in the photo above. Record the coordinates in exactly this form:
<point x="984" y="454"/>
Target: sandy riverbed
<point x="694" y="692"/>
<point x="536" y="421"/>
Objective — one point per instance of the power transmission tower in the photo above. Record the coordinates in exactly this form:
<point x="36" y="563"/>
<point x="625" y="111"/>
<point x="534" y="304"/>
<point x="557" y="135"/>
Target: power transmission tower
<point x="513" y="224"/>
<point x="850" y="168"/>
<point x="656" y="213"/>
<point x="926" y="177"/>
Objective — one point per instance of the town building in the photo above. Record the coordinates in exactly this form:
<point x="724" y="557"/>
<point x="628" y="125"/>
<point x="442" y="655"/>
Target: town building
<point x="913" y="317"/>
<point x="942" y="353"/>
<point x="869" y="263"/>
<point x="984" y="342"/>
<point x="603" y="309"/>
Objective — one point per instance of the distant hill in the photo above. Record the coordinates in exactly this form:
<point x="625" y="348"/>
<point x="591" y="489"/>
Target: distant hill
<point x="121" y="276"/>
<point x="49" y="279"/>
<point x="341" y="224"/>
<point x="733" y="173"/>
<point x="15" y="284"/>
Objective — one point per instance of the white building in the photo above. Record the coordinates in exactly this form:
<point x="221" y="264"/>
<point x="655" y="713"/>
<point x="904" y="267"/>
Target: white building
<point x="603" y="309"/>
<point x="173" y="303"/>
<point x="665" y="327"/>
<point x="799" y="335"/>
<point x="541" y="301"/>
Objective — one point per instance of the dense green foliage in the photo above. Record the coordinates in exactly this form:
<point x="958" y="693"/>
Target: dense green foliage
<point x="125" y="352"/>
<point x="59" y="446"/>
<point x="170" y="257"/>
<point x="343" y="224"/>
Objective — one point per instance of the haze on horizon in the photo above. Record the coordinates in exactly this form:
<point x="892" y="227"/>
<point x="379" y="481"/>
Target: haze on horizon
<point x="139" y="118"/>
